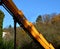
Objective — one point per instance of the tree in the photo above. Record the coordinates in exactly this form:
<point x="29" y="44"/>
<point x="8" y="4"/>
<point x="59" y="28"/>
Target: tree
<point x="11" y="30"/>
<point x="10" y="26"/>
<point x="47" y="18"/>
<point x="56" y="19"/>
<point x="39" y="18"/>
<point x="1" y="24"/>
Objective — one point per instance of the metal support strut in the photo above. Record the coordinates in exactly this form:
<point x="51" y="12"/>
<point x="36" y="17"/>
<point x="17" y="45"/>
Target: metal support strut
<point x="14" y="33"/>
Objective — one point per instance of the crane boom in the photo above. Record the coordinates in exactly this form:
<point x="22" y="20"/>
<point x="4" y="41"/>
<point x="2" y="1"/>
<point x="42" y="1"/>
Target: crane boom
<point x="20" y="18"/>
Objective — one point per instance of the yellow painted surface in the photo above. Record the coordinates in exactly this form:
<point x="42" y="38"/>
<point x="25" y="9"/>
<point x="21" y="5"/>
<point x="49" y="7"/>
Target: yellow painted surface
<point x="29" y="26"/>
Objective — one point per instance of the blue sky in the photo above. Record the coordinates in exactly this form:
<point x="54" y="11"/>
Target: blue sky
<point x="31" y="9"/>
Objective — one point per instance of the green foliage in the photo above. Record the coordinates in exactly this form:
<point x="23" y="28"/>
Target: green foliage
<point x="1" y="24"/>
<point x="7" y="45"/>
<point x="47" y="18"/>
<point x="4" y="45"/>
<point x="39" y="18"/>
<point x="50" y="31"/>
